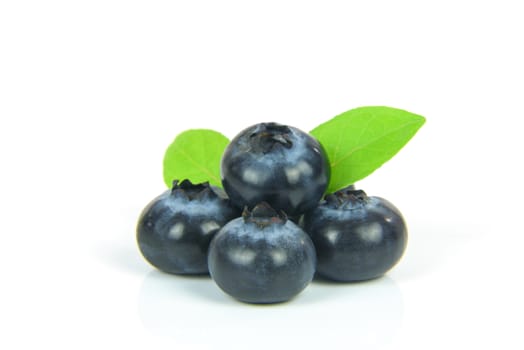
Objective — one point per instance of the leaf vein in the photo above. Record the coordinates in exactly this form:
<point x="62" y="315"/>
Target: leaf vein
<point x="370" y="141"/>
<point x="197" y="165"/>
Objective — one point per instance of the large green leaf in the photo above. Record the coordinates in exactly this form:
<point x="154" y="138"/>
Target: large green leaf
<point x="360" y="140"/>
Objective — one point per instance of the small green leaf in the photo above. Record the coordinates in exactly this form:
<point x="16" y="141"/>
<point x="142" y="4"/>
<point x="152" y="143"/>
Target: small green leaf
<point x="195" y="155"/>
<point x="359" y="141"/>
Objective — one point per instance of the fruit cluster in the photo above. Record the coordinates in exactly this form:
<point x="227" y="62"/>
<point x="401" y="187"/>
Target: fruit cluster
<point x="264" y="236"/>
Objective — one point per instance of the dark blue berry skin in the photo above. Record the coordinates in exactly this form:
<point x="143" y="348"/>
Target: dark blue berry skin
<point x="277" y="164"/>
<point x="356" y="237"/>
<point x="262" y="258"/>
<point x="175" y="229"/>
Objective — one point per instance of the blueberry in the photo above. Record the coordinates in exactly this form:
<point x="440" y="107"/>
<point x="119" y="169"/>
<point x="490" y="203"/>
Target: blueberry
<point x="356" y="237"/>
<point x="277" y="164"/>
<point x="175" y="229"/>
<point x="262" y="257"/>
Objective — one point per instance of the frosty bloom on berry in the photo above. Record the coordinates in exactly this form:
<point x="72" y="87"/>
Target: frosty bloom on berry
<point x="356" y="237"/>
<point x="277" y="164"/>
<point x="262" y="257"/>
<point x="174" y="230"/>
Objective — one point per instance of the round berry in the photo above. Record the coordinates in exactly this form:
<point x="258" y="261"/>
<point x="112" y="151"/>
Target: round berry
<point x="262" y="257"/>
<point x="277" y="164"/>
<point x="356" y="237"/>
<point x="174" y="230"/>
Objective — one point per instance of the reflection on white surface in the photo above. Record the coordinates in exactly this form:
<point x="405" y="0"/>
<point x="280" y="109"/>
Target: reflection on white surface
<point x="193" y="310"/>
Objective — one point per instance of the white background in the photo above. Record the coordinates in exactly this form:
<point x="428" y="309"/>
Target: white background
<point x="92" y="92"/>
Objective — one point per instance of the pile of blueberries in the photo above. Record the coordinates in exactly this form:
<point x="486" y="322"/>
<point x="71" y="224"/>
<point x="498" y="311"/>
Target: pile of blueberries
<point x="265" y="235"/>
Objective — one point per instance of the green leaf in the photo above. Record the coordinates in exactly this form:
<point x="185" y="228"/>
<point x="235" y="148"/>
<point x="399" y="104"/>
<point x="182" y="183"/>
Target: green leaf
<point x="359" y="141"/>
<point x="195" y="155"/>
